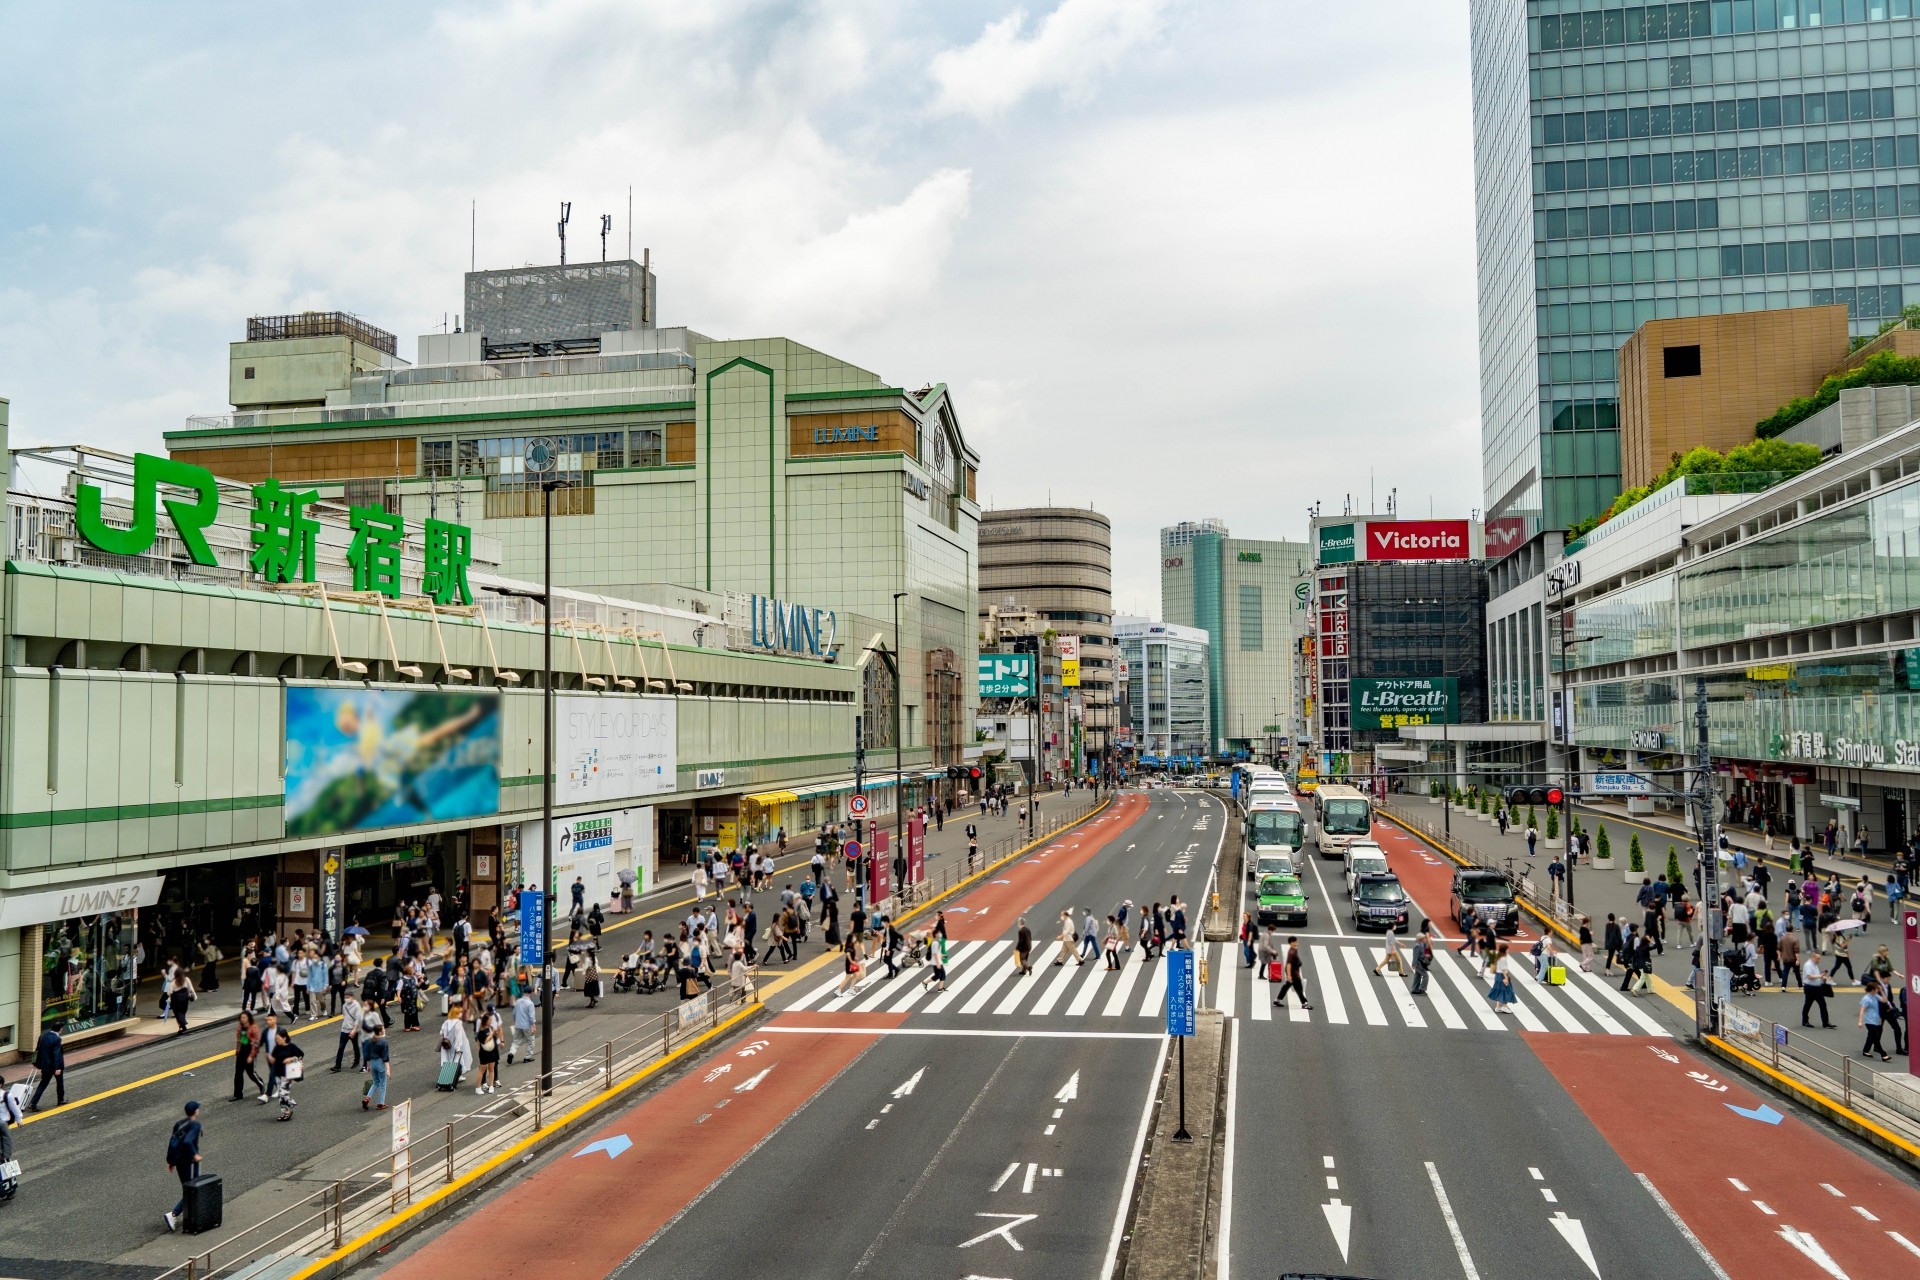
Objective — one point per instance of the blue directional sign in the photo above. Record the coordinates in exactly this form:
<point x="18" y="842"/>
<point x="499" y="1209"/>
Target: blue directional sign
<point x="533" y="949"/>
<point x="1180" y="993"/>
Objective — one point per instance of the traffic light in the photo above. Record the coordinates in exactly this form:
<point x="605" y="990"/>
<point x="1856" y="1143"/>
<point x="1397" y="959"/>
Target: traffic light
<point x="955" y="772"/>
<point x="1517" y="796"/>
<point x="974" y="773"/>
<point x="1555" y="795"/>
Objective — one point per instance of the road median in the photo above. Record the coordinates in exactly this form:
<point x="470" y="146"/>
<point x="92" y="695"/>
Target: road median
<point x="1174" y="1223"/>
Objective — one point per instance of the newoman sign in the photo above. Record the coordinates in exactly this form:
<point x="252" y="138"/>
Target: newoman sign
<point x="18" y="910"/>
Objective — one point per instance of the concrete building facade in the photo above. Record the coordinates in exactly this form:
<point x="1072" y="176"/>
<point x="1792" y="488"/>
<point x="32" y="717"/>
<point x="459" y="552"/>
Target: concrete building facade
<point x="1168" y="700"/>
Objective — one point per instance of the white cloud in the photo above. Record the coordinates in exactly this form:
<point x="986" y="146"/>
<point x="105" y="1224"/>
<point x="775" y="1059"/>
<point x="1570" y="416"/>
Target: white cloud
<point x="1067" y="50"/>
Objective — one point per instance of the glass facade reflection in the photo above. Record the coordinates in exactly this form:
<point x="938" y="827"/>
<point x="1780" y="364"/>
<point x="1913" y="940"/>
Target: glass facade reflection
<point x="1636" y="622"/>
<point x="1649" y="161"/>
<point x="87" y="971"/>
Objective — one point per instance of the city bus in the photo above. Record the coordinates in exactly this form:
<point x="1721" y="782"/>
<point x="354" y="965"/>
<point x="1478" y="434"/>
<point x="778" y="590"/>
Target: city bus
<point x="1274" y="829"/>
<point x="1341" y="815"/>
<point x="1264" y="784"/>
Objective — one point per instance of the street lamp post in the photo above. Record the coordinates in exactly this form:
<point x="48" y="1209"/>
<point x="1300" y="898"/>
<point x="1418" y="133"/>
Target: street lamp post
<point x="1568" y="752"/>
<point x="899" y="795"/>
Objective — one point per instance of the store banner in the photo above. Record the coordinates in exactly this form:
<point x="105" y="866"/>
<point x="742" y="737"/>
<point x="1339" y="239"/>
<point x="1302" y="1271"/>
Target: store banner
<point x="1006" y="675"/>
<point x="614" y="748"/>
<point x="1419" y="540"/>
<point x="99" y="897"/>
<point x="1406" y="700"/>
<point x="332" y="862"/>
<point x="917" y="851"/>
<point x="1068" y="647"/>
<point x="1337" y="544"/>
<point x="359" y="759"/>
<point x="880" y="869"/>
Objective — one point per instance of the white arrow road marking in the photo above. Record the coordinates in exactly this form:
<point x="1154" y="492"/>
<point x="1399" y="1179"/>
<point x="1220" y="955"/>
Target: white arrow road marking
<point x="906" y="1089"/>
<point x="717" y="1072"/>
<point x="1806" y="1244"/>
<point x="1340" y="1222"/>
<point x="1070" y="1090"/>
<point x="1576" y="1237"/>
<point x="752" y="1082"/>
<point x="754" y="1048"/>
<point x="1663" y="1053"/>
<point x="1004" y="1230"/>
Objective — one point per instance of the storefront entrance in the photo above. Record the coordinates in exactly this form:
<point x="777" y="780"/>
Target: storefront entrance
<point x="381" y="876"/>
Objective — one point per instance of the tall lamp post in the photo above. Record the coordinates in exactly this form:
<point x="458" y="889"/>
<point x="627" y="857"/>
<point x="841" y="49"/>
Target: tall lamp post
<point x="899" y="795"/>
<point x="1569" y="752"/>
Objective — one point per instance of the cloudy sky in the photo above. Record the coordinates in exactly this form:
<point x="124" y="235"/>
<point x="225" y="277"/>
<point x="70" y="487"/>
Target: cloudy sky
<point x="1177" y="258"/>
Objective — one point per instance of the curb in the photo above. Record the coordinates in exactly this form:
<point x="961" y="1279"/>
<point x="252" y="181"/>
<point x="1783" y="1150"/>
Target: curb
<point x="1527" y="907"/>
<point x="1830" y="1107"/>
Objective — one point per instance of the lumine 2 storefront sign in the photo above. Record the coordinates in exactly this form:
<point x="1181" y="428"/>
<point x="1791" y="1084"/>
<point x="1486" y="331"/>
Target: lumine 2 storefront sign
<point x="774" y="626"/>
<point x="284" y="535"/>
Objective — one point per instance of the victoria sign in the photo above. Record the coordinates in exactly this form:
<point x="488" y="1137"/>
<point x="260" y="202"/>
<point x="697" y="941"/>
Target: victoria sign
<point x="1419" y="540"/>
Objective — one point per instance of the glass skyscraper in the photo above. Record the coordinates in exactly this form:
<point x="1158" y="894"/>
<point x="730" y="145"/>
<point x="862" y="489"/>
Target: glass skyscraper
<point x="1649" y="161"/>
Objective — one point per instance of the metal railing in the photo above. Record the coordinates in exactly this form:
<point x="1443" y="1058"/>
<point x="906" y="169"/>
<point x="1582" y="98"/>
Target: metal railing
<point x="341" y="1210"/>
<point x="1883" y="1097"/>
<point x="1525" y="888"/>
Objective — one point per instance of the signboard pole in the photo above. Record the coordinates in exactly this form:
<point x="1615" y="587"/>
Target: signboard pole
<point x="1910" y="918"/>
<point x="1180" y="1023"/>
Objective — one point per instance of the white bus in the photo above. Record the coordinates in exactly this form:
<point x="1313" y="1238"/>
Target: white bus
<point x="1341" y="815"/>
<point x="1274" y="830"/>
<point x="1263" y="785"/>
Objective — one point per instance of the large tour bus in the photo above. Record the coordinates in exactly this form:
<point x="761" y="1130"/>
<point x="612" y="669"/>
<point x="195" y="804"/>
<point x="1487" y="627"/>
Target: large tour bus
<point x="1264" y="784"/>
<point x="1341" y="815"/>
<point x="1275" y="829"/>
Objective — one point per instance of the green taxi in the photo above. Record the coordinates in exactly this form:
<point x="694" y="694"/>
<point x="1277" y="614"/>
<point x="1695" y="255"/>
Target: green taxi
<point x="1282" y="901"/>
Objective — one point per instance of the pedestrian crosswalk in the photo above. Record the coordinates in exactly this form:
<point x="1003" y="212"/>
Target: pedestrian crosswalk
<point x="982" y="982"/>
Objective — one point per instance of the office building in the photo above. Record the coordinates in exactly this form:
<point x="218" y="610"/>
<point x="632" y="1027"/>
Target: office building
<point x="1240" y="591"/>
<point x="1650" y="162"/>
<point x="1168" y="703"/>
<point x="1054" y="565"/>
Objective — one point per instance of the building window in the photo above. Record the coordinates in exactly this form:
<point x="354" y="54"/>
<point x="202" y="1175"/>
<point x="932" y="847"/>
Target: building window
<point x="1682" y="362"/>
<point x="436" y="458"/>
<point x="248" y="374"/>
<point x="1252" y="623"/>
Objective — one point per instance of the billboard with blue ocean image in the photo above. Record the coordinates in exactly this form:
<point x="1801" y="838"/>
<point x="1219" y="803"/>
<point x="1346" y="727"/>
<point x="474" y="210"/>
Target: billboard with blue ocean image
<point x="362" y="759"/>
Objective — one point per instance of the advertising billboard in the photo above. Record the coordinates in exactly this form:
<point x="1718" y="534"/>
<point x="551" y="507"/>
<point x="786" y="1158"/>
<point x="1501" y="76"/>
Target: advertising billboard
<point x="1006" y="675"/>
<point x="1419" y="540"/>
<point x="1068" y="647"/>
<point x="1337" y="544"/>
<point x="1392" y="702"/>
<point x="614" y="748"/>
<point x="360" y="759"/>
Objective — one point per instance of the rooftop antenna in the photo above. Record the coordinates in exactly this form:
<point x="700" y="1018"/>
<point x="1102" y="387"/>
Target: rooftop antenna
<point x="606" y="225"/>
<point x="1348" y="510"/>
<point x="473" y="235"/>
<point x="629" y="221"/>
<point x="566" y="214"/>
<point x="1393" y="501"/>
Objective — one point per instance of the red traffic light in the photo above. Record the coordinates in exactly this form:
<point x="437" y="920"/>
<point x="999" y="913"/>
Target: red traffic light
<point x="1555" y="795"/>
<point x="974" y="773"/>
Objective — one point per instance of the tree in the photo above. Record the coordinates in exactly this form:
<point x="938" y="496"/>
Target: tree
<point x="1636" y="861"/>
<point x="1673" y="865"/>
<point x="1602" y="850"/>
<point x="1784" y="456"/>
<point x="1433" y="789"/>
<point x="1532" y="823"/>
<point x="1879" y="370"/>
<point x="1553" y="824"/>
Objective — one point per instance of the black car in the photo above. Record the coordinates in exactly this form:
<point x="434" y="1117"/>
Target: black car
<point x="1479" y="894"/>
<point x="1379" y="902"/>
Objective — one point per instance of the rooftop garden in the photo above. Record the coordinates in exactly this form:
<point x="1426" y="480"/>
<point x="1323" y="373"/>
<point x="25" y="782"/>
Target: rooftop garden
<point x="1882" y="370"/>
<point x="1747" y="469"/>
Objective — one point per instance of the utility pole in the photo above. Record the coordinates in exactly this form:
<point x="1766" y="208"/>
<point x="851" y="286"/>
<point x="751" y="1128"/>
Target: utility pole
<point x="899" y="794"/>
<point x="1706" y="1006"/>
<point x="859" y="822"/>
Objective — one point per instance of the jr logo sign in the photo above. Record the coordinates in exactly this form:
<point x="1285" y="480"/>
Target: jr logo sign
<point x="190" y="519"/>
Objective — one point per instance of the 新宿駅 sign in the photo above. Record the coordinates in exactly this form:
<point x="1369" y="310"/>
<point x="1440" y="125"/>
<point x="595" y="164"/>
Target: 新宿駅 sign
<point x="1006" y="675"/>
<point x="1620" y="784"/>
<point x="1390" y="702"/>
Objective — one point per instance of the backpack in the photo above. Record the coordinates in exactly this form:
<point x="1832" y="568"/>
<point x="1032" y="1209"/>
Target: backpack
<point x="177" y="1148"/>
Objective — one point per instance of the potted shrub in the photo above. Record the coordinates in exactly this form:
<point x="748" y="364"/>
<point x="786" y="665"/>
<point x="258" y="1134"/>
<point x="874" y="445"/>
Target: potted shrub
<point x="1673" y="865"/>
<point x="1533" y="821"/>
<point x="1433" y="793"/>
<point x="1602" y="850"/>
<point x="1636" y="861"/>
<point x="1553" y="828"/>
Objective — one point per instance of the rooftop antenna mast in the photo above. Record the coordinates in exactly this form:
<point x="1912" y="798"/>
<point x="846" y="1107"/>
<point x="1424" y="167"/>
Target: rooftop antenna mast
<point x="606" y="227"/>
<point x="566" y="215"/>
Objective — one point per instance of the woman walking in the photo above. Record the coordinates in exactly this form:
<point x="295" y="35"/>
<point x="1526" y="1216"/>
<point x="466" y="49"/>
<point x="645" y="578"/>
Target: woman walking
<point x="379" y="1051"/>
<point x="1586" y="944"/>
<point x="849" y="963"/>
<point x="487" y="1042"/>
<point x="1110" y="945"/>
<point x="456" y="1047"/>
<point x="246" y="1047"/>
<point x="1501" y="993"/>
<point x="179" y="998"/>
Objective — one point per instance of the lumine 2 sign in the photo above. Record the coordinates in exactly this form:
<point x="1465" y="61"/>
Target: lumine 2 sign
<point x="283" y="534"/>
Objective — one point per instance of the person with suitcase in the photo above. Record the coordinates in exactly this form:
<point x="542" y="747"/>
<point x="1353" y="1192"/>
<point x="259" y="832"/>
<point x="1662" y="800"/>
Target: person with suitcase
<point x="183" y="1161"/>
<point x="456" y="1050"/>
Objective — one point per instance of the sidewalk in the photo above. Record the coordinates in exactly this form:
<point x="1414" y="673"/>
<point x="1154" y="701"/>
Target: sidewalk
<point x="1598" y="891"/>
<point x="1679" y="833"/>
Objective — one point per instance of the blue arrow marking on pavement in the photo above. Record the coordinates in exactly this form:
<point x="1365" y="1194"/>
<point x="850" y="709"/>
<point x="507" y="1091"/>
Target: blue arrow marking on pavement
<point x="1763" y="1113"/>
<point x="613" y="1146"/>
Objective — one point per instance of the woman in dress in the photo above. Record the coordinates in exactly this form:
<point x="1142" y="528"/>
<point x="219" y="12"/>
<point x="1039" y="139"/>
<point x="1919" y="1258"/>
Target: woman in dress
<point x="487" y="1042"/>
<point x="455" y="1044"/>
<point x="1501" y="993"/>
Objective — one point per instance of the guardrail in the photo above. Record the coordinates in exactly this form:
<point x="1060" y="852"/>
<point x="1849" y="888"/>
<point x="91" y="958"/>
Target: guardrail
<point x="1525" y="888"/>
<point x="326" y="1219"/>
<point x="1889" y="1099"/>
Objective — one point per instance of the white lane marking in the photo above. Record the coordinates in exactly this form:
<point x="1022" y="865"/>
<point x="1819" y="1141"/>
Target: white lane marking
<point x="1472" y="996"/>
<point x="1226" y="969"/>
<point x="1680" y="1225"/>
<point x="813" y="996"/>
<point x="1122" y="987"/>
<point x="924" y="987"/>
<point x="1314" y="862"/>
<point x="1765" y="1208"/>
<point x="873" y="1124"/>
<point x="1544" y="997"/>
<point x="1576" y="1237"/>
<point x="1905" y="1243"/>
<point x="1403" y="1001"/>
<point x="1326" y="1162"/>
<point x="1004" y="1230"/>
<point x="1330" y="996"/>
<point x="886" y="1108"/>
<point x="1001" y="1181"/>
<point x="1592" y="1008"/>
<point x="1833" y="1191"/>
<point x="1862" y="1211"/>
<point x="1222" y="1265"/>
<point x="1088" y="990"/>
<point x="1260" y="998"/>
<point x="985" y="992"/>
<point x="1026" y="1183"/>
<point x="1340" y="1222"/>
<point x="978" y="1032"/>
<point x="1156" y="998"/>
<point x="1453" y="1224"/>
<point x="1436" y="996"/>
<point x="1806" y="1244"/>
<point x="1526" y="1017"/>
<point x="1068" y="1091"/>
<point x="1546" y="1193"/>
<point x="1055" y="989"/>
<point x="912" y="1081"/>
<point x="752" y="1082"/>
<point x="1047" y="1132"/>
<point x="984" y="963"/>
<point x="1369" y="1003"/>
<point x="889" y="989"/>
<point x="1623" y="1004"/>
<point x="1737" y="1184"/>
<point x="1333" y="1183"/>
<point x="1133" y="1161"/>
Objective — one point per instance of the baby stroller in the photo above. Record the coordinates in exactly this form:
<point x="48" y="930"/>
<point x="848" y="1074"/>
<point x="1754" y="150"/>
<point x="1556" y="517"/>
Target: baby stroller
<point x="1742" y="980"/>
<point x="651" y="978"/>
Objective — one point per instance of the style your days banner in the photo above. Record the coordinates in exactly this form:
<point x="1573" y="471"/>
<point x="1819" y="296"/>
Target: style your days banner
<point x="615" y="748"/>
<point x="360" y="759"/>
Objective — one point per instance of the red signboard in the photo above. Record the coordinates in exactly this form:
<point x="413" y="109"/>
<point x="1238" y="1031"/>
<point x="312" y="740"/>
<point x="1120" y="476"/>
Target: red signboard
<point x="1506" y="535"/>
<point x="917" y="851"/>
<point x="880" y="870"/>
<point x="1419" y="540"/>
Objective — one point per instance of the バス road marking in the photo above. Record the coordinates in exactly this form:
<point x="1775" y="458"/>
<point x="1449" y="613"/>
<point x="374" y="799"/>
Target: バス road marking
<point x="1001" y="1181"/>
<point x="1453" y="1224"/>
<point x="1004" y="1230"/>
<point x="1680" y="1225"/>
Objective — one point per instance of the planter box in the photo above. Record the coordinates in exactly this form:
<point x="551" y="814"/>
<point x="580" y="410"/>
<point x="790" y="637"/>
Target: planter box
<point x="1602" y="864"/>
<point x="1550" y="842"/>
<point x="1433" y="799"/>
<point x="1634" y="877"/>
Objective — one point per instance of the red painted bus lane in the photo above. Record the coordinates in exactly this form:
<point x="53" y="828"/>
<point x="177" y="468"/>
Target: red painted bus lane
<point x="581" y="1215"/>
<point x="1428" y="878"/>
<point x="1764" y="1198"/>
<point x="990" y="910"/>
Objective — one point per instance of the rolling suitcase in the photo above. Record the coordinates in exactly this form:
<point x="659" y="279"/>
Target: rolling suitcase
<point x="449" y="1076"/>
<point x="1556" y="975"/>
<point x="202" y="1198"/>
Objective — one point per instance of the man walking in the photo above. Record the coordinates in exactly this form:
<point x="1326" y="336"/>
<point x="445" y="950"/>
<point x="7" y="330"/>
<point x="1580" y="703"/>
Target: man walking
<point x="1422" y="958"/>
<point x="350" y="1015"/>
<point x="523" y="1017"/>
<point x="183" y="1159"/>
<point x="50" y="1060"/>
<point x="1295" y="977"/>
<point x="1089" y="936"/>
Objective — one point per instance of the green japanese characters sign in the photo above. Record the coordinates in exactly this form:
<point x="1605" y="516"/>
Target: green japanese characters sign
<point x="1392" y="703"/>
<point x="283" y="533"/>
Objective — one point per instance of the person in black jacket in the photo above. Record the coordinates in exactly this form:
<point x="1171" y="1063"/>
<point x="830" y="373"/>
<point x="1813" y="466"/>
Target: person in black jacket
<point x="50" y="1060"/>
<point x="183" y="1159"/>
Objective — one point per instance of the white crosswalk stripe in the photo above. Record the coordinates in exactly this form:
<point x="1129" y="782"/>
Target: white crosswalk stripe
<point x="1340" y="981"/>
